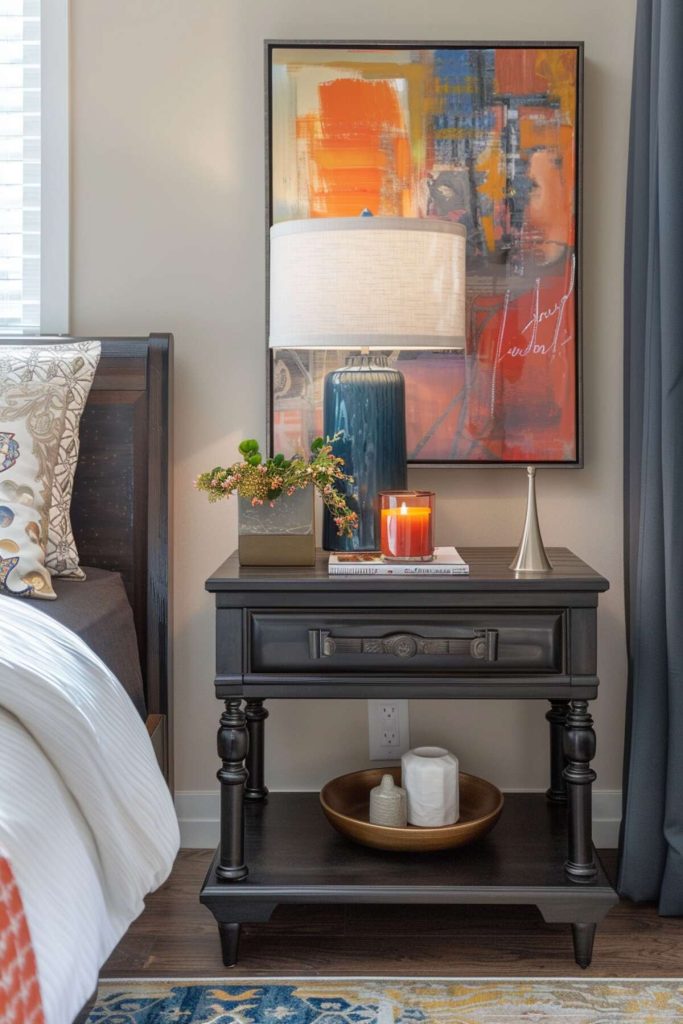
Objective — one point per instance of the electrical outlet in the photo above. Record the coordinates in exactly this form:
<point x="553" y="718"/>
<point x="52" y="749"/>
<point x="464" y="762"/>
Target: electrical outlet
<point x="388" y="728"/>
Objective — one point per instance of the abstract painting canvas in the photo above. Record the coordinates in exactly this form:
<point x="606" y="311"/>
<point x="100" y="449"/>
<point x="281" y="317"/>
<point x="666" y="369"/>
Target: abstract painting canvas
<point x="486" y="135"/>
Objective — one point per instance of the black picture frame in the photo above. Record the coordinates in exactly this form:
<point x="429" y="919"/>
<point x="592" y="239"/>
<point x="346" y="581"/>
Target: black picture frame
<point x="270" y="48"/>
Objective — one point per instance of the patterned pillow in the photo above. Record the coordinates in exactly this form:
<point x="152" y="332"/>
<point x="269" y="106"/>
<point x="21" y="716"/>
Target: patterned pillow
<point x="72" y="366"/>
<point x="31" y="424"/>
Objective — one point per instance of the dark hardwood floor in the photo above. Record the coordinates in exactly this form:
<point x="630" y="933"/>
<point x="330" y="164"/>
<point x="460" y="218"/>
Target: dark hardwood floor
<point x="176" y="937"/>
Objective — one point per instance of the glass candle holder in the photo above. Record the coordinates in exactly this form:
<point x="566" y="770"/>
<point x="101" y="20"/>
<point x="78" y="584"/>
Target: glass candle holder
<point x="407" y="525"/>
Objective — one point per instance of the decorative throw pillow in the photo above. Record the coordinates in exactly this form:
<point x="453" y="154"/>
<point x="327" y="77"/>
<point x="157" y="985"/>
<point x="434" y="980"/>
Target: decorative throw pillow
<point x="71" y="366"/>
<point x="31" y="425"/>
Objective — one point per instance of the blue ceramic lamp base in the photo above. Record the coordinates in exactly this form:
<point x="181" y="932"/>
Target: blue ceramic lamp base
<point x="365" y="402"/>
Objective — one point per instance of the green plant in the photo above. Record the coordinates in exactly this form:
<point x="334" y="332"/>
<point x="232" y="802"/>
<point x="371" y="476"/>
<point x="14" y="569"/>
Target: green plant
<point x="261" y="481"/>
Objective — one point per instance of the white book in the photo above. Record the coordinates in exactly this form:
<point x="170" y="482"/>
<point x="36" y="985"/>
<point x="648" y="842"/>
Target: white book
<point x="446" y="562"/>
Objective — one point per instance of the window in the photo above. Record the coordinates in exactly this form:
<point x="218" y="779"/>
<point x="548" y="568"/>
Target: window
<point x="34" y="212"/>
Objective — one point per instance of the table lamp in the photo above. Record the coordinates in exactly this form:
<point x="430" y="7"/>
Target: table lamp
<point x="370" y="285"/>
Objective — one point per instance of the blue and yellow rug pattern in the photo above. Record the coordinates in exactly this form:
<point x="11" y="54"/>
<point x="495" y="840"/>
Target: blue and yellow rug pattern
<point x="388" y="1001"/>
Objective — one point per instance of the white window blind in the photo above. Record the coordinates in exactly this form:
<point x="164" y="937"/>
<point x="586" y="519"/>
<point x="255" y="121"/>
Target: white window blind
<point x="20" y="165"/>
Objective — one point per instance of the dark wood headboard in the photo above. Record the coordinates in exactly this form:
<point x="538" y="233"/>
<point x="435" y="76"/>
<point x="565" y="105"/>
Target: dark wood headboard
<point x="121" y="500"/>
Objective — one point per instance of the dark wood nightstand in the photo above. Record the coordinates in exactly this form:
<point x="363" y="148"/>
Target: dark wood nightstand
<point x="297" y="633"/>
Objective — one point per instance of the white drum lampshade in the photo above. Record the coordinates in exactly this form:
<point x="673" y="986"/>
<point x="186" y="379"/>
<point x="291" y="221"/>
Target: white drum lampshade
<point x="367" y="282"/>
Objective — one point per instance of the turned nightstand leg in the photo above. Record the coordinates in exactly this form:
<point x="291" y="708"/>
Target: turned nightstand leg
<point x="230" y="942"/>
<point x="579" y="749"/>
<point x="256" y="715"/>
<point x="557" y="717"/>
<point x="233" y="744"/>
<point x="583" y="935"/>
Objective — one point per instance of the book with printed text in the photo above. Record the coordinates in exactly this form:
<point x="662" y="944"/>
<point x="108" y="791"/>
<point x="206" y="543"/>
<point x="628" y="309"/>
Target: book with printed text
<point x="446" y="562"/>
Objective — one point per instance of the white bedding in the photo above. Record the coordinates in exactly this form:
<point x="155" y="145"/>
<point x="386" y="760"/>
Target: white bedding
<point x="86" y="818"/>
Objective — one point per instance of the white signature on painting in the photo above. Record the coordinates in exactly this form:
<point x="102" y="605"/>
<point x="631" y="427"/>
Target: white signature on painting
<point x="555" y="312"/>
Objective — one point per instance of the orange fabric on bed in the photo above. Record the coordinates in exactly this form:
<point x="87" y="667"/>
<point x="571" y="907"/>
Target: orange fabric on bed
<point x="20" y="1001"/>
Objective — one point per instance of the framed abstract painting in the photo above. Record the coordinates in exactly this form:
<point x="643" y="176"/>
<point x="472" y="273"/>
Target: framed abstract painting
<point x="485" y="134"/>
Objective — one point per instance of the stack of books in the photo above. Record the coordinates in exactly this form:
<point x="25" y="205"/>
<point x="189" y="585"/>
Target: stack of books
<point x="446" y="562"/>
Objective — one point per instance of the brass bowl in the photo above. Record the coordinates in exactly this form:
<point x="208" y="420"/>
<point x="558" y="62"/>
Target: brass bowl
<point x="346" y="804"/>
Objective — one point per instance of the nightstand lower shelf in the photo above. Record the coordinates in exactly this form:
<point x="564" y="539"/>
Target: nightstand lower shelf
<point x="295" y="856"/>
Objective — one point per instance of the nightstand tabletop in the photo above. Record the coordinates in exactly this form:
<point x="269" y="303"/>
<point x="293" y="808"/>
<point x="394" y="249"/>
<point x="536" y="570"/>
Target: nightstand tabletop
<point x="489" y="570"/>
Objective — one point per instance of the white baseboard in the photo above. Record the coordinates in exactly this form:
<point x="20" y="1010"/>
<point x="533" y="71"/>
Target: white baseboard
<point x="198" y="816"/>
<point x="606" y="818"/>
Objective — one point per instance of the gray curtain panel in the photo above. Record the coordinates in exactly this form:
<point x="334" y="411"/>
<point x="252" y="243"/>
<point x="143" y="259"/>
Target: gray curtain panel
<point x="651" y="849"/>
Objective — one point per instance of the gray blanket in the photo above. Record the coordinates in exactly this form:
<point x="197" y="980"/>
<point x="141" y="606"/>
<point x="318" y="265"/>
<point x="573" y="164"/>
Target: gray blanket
<point x="98" y="610"/>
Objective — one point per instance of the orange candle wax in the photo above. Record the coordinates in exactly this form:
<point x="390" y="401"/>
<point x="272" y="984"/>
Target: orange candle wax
<point x="405" y="532"/>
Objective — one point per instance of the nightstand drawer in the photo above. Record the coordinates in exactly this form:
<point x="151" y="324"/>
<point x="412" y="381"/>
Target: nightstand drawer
<point x="488" y="642"/>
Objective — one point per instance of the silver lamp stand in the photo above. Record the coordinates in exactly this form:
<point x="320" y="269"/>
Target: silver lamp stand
<point x="531" y="556"/>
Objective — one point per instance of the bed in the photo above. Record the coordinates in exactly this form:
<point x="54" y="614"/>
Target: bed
<point x="120" y="515"/>
<point x="74" y="664"/>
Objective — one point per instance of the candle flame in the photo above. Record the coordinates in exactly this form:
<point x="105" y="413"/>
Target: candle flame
<point x="404" y="509"/>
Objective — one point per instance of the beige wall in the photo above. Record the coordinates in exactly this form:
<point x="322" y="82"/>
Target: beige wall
<point x="168" y="235"/>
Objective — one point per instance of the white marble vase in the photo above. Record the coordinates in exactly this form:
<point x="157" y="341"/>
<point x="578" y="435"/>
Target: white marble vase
<point x="430" y="779"/>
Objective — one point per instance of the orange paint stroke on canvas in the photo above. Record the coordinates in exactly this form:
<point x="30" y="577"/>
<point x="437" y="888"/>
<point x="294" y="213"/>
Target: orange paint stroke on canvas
<point x="491" y="165"/>
<point x="557" y="70"/>
<point x="538" y="128"/>
<point x="356" y="148"/>
<point x="417" y="79"/>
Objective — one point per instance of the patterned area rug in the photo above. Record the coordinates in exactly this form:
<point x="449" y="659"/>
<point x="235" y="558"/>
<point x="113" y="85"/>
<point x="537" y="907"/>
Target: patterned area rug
<point x="386" y="1001"/>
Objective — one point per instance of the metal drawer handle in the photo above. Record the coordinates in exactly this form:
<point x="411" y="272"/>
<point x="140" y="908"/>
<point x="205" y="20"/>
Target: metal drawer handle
<point x="481" y="644"/>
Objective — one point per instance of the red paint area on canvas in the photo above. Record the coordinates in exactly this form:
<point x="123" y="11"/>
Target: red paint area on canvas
<point x="517" y="73"/>
<point x="521" y="400"/>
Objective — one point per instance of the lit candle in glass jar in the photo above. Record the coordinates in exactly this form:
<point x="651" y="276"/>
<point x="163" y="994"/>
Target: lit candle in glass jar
<point x="407" y="525"/>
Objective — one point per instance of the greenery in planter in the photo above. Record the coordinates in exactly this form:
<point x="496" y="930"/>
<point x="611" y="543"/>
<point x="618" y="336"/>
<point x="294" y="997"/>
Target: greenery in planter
<point x="262" y="481"/>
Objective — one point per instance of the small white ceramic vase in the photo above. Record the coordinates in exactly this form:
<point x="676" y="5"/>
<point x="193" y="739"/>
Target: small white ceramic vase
<point x="430" y="779"/>
<point x="388" y="804"/>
